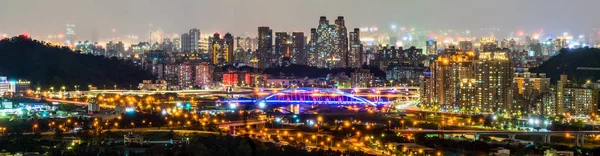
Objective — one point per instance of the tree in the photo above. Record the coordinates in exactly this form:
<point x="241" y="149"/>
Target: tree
<point x="171" y="134"/>
<point x="49" y="65"/>
<point x="58" y="134"/>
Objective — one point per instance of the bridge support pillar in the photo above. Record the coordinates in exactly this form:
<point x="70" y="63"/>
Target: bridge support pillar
<point x="475" y="137"/>
<point x="546" y="138"/>
<point x="232" y="130"/>
<point x="579" y="140"/>
<point x="512" y="136"/>
<point x="260" y="126"/>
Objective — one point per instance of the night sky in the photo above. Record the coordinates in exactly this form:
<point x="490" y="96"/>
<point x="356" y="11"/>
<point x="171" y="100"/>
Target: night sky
<point x="242" y="17"/>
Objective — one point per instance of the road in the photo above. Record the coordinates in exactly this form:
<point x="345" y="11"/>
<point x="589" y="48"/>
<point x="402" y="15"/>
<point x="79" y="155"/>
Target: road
<point x="496" y="132"/>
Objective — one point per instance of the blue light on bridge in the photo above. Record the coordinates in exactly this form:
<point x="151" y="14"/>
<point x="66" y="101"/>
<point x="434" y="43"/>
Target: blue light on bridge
<point x="129" y="109"/>
<point x="310" y="122"/>
<point x="232" y="105"/>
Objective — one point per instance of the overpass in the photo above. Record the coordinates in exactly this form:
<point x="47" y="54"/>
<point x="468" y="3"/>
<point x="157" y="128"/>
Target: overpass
<point x="241" y="123"/>
<point x="150" y="92"/>
<point x="71" y="102"/>
<point x="579" y="135"/>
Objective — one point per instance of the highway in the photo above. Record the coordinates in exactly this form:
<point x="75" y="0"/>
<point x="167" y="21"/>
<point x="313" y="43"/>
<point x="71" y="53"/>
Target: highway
<point x="495" y="132"/>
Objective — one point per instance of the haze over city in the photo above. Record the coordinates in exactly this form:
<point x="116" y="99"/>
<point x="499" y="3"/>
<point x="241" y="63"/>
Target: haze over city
<point x="241" y="17"/>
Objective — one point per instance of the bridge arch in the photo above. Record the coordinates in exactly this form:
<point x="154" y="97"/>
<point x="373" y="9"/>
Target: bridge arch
<point x="310" y="95"/>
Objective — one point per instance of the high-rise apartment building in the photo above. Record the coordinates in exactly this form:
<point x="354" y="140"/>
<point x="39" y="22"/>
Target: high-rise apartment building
<point x="575" y="100"/>
<point x="186" y="75"/>
<point x="190" y="41"/>
<point x="494" y="72"/>
<point x="528" y="90"/>
<point x="431" y="47"/>
<point x="283" y="46"/>
<point x="299" y="55"/>
<point x="204" y="77"/>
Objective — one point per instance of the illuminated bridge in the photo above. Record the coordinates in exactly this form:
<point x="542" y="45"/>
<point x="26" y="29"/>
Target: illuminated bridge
<point x="311" y="96"/>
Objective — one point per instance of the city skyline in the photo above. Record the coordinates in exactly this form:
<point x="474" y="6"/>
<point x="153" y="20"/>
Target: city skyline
<point x="299" y="77"/>
<point x="99" y="19"/>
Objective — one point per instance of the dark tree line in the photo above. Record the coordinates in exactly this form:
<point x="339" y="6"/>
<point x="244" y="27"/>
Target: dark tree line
<point x="47" y="65"/>
<point x="568" y="60"/>
<point x="302" y="71"/>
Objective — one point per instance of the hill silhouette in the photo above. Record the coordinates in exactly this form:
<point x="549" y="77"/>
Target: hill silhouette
<point x="580" y="65"/>
<point x="46" y="65"/>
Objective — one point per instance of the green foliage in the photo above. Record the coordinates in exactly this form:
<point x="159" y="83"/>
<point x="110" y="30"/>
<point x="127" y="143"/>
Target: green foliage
<point x="308" y="71"/>
<point x="58" y="134"/>
<point x="47" y="65"/>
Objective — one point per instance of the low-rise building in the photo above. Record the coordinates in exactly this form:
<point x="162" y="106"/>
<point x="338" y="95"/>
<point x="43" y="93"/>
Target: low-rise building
<point x="361" y="78"/>
<point x="149" y="85"/>
<point x="132" y="138"/>
<point x="71" y="140"/>
<point x="553" y="152"/>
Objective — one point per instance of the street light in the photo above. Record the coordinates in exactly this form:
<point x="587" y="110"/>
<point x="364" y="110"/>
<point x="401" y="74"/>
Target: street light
<point x="402" y="121"/>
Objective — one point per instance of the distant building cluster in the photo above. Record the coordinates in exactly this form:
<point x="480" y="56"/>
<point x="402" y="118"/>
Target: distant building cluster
<point x="455" y="71"/>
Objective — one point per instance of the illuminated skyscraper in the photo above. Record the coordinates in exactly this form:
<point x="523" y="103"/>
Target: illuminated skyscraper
<point x="229" y="40"/>
<point x="265" y="58"/>
<point x="329" y="44"/>
<point x="222" y="49"/>
<point x="355" y="54"/>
